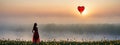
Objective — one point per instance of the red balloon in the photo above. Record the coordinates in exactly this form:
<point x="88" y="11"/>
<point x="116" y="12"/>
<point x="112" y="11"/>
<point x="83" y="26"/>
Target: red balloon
<point x="81" y="8"/>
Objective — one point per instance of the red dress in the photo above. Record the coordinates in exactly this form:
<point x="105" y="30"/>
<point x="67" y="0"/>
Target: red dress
<point x="36" y="36"/>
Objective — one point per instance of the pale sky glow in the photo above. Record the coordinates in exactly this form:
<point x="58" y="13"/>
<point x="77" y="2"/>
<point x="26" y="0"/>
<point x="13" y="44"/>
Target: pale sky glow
<point x="50" y="11"/>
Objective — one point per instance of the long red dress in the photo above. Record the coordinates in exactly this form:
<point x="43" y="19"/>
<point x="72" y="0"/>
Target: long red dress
<point x="36" y="35"/>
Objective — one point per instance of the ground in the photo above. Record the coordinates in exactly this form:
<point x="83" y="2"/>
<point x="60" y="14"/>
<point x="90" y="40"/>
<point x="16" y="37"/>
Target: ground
<point x="15" y="42"/>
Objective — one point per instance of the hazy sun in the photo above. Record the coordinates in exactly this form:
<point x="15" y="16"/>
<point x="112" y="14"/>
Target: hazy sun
<point x="84" y="13"/>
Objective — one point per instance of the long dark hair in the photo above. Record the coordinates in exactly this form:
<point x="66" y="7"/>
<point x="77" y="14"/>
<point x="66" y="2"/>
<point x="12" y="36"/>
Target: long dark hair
<point x="35" y="25"/>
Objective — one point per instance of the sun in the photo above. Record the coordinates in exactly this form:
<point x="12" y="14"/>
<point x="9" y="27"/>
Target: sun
<point x="84" y="13"/>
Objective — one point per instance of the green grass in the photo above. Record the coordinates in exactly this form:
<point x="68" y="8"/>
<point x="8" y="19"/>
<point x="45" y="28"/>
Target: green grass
<point x="13" y="42"/>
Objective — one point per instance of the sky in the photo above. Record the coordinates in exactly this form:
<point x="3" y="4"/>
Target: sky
<point x="59" y="11"/>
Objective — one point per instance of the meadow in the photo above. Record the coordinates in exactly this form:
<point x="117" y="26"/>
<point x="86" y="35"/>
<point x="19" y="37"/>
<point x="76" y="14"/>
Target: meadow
<point x="16" y="42"/>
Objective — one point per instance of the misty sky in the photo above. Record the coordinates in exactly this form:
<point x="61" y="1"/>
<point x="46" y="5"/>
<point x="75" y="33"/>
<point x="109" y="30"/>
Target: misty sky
<point x="59" y="11"/>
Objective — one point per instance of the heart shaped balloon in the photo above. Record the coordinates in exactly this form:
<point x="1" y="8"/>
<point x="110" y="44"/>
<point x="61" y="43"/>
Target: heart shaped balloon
<point x="81" y="8"/>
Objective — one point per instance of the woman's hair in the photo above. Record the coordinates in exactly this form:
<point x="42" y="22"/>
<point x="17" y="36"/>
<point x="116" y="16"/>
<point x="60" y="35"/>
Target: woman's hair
<point x="35" y="24"/>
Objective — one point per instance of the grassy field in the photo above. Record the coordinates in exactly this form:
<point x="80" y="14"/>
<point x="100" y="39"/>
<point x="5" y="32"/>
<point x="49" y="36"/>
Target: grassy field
<point x="13" y="42"/>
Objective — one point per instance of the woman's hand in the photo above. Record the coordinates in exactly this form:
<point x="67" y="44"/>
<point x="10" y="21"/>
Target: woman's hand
<point x="32" y="31"/>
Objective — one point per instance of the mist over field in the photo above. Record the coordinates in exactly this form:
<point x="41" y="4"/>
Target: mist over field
<point x="71" y="32"/>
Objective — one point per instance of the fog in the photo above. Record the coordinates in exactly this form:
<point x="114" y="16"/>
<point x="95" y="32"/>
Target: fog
<point x="71" y="32"/>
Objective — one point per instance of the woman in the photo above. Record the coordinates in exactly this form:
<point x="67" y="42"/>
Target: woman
<point x="35" y="34"/>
